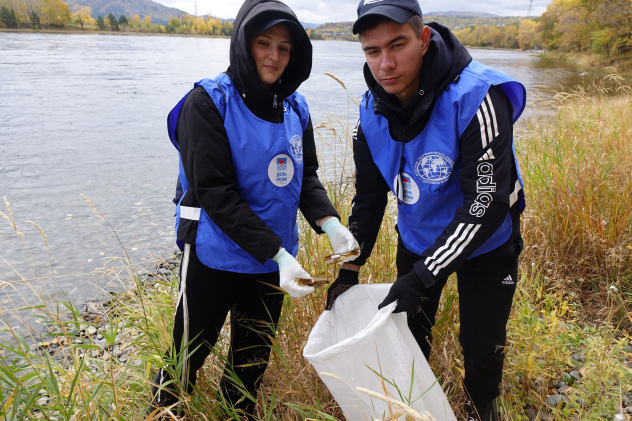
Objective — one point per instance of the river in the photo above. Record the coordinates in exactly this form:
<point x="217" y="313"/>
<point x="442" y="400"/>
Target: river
<point x="84" y="114"/>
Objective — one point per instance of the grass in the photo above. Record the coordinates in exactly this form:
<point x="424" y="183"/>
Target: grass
<point x="573" y="297"/>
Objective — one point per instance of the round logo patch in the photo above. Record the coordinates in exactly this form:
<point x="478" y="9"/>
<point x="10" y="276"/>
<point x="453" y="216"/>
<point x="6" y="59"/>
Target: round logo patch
<point x="434" y="167"/>
<point x="281" y="170"/>
<point x="406" y="189"/>
<point x="296" y="148"/>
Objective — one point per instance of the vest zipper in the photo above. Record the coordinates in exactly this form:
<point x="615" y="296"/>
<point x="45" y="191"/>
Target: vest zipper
<point x="400" y="188"/>
<point x="274" y="102"/>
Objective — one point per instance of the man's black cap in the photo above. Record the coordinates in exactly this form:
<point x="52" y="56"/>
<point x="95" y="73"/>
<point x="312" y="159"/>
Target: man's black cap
<point x="398" y="10"/>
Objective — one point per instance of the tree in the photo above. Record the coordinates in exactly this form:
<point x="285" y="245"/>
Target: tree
<point x="123" y="20"/>
<point x="604" y="40"/>
<point x="547" y="27"/>
<point x="7" y="17"/>
<point x="136" y="20"/>
<point x="35" y="21"/>
<point x="316" y="35"/>
<point x="55" y="12"/>
<point x="83" y="16"/>
<point x="113" y="22"/>
<point x="527" y="37"/>
<point x="227" y="28"/>
<point x="148" y="21"/>
<point x="511" y="36"/>
<point x="100" y="23"/>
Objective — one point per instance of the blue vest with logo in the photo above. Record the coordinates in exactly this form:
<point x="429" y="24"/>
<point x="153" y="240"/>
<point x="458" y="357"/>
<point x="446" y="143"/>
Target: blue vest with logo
<point x="422" y="172"/>
<point x="268" y="161"/>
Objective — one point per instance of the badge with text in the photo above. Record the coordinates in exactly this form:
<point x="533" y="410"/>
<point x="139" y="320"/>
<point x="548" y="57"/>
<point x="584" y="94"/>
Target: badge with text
<point x="406" y="188"/>
<point x="434" y="167"/>
<point x="281" y="170"/>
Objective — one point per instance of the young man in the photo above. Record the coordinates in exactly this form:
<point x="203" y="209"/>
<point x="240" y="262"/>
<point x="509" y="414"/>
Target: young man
<point x="436" y="129"/>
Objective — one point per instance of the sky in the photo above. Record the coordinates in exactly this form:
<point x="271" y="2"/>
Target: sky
<point x="323" y="11"/>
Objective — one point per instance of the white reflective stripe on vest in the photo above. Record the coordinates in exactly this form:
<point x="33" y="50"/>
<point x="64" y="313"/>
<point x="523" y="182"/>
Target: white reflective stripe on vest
<point x="187" y="212"/>
<point x="513" y="197"/>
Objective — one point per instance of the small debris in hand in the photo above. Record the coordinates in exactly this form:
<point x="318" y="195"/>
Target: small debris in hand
<point x="316" y="280"/>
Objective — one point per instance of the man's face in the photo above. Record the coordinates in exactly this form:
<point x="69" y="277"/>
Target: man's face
<point x="394" y="54"/>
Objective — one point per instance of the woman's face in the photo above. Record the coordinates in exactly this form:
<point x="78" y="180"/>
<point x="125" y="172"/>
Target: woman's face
<point x="271" y="52"/>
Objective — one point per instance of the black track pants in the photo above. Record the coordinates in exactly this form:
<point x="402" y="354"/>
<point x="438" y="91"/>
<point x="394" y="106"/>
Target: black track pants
<point x="486" y="286"/>
<point x="206" y="297"/>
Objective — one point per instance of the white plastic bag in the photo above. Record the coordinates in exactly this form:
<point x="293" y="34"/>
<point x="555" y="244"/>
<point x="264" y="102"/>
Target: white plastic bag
<point x="374" y="350"/>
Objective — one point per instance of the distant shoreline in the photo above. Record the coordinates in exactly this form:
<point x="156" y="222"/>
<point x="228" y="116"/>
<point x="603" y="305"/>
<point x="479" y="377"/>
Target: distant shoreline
<point x="91" y="31"/>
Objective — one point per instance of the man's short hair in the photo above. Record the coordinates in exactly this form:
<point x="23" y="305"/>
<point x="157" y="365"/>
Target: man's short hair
<point x="415" y="22"/>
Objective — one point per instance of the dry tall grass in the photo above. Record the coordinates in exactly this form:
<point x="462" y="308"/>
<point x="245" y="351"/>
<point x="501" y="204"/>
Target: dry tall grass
<point x="577" y="168"/>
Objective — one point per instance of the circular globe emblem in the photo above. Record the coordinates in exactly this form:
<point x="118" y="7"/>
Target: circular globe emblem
<point x="296" y="147"/>
<point x="434" y="167"/>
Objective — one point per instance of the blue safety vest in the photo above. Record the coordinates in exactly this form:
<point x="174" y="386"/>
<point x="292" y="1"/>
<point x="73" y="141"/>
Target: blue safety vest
<point x="268" y="161"/>
<point x="422" y="172"/>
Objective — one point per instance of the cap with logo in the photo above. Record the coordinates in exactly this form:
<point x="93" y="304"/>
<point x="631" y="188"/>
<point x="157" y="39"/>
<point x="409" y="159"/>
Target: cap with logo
<point x="398" y="10"/>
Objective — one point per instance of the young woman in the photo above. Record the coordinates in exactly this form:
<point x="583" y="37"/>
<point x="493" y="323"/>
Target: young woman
<point x="247" y="163"/>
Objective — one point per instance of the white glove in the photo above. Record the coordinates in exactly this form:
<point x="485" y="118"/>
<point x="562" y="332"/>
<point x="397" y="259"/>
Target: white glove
<point x="340" y="238"/>
<point x="289" y="270"/>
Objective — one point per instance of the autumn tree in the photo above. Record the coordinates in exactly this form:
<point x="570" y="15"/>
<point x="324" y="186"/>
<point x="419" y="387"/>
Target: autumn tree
<point x="83" y="16"/>
<point x="548" y="27"/>
<point x="511" y="36"/>
<point x="54" y="12"/>
<point x="136" y="20"/>
<point x="148" y="21"/>
<point x="615" y="15"/>
<point x="527" y="37"/>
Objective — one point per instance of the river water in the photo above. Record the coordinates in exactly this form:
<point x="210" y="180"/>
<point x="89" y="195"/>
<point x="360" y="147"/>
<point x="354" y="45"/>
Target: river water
<point x="85" y="115"/>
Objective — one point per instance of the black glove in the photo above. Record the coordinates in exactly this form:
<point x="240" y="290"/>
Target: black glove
<point x="345" y="280"/>
<point x="408" y="290"/>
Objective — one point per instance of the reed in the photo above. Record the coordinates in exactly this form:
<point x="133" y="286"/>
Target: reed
<point x="577" y="265"/>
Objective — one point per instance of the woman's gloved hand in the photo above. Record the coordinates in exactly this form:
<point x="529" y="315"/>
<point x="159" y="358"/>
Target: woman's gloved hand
<point x="340" y="238"/>
<point x="289" y="271"/>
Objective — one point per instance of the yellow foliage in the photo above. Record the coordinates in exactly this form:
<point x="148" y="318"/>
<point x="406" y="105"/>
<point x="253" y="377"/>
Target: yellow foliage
<point x="527" y="34"/>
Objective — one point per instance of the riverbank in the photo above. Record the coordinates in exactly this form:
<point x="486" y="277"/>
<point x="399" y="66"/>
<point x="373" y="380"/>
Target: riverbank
<point x="73" y="30"/>
<point x="596" y="64"/>
<point x="568" y="356"/>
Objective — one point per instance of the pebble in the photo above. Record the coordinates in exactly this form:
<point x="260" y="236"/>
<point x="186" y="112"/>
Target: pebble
<point x="555" y="400"/>
<point x="93" y="308"/>
<point x="91" y="330"/>
<point x="579" y="357"/>
<point x="576" y="374"/>
<point x="564" y="390"/>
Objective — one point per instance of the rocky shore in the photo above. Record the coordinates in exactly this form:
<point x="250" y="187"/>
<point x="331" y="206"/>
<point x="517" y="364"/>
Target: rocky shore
<point x="113" y="343"/>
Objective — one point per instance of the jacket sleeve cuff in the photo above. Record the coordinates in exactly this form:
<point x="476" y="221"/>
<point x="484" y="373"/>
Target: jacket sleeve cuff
<point x="424" y="274"/>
